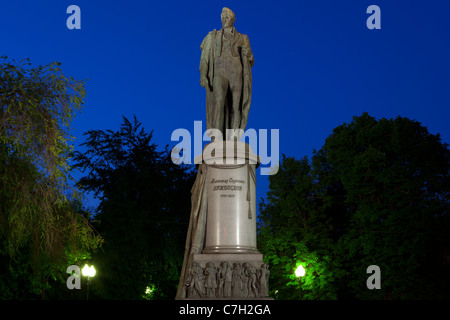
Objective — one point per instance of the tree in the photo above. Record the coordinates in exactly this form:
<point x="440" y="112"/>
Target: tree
<point x="41" y="229"/>
<point x="143" y="212"/>
<point x="396" y="180"/>
<point x="380" y="191"/>
<point x="293" y="229"/>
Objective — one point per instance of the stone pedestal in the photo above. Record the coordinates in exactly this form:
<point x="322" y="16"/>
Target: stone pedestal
<point x="231" y="217"/>
<point x="229" y="266"/>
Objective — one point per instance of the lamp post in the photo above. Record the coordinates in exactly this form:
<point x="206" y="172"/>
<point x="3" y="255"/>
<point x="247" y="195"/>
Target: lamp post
<point x="88" y="272"/>
<point x="299" y="273"/>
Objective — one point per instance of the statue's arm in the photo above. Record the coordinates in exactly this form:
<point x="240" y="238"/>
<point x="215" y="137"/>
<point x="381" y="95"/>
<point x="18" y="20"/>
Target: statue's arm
<point x="246" y="50"/>
<point x="204" y="59"/>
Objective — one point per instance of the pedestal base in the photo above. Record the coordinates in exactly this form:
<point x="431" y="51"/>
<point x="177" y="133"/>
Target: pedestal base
<point x="228" y="276"/>
<point x="255" y="259"/>
<point x="229" y="250"/>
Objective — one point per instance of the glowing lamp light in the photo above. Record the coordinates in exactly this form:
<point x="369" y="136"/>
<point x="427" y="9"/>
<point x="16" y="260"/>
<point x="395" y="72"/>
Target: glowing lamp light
<point x="300" y="271"/>
<point x="88" y="271"/>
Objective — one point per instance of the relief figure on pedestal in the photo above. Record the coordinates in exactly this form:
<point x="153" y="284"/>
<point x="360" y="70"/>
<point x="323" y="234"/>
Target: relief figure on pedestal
<point x="263" y="280"/>
<point x="224" y="278"/>
<point x="210" y="283"/>
<point x="236" y="285"/>
<point x="252" y="283"/>
<point x="196" y="281"/>
<point x="245" y="279"/>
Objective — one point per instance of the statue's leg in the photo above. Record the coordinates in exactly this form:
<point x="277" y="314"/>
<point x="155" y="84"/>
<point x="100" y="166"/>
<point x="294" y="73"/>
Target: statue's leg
<point x="220" y="85"/>
<point x="235" y="79"/>
<point x="236" y="92"/>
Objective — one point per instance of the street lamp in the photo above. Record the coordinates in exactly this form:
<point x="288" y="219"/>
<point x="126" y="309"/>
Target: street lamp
<point x="88" y="272"/>
<point x="299" y="273"/>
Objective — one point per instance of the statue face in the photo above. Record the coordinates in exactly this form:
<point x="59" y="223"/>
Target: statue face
<point x="227" y="19"/>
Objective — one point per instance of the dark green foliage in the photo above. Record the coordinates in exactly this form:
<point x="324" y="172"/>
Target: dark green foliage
<point x="377" y="193"/>
<point x="143" y="212"/>
<point x="293" y="230"/>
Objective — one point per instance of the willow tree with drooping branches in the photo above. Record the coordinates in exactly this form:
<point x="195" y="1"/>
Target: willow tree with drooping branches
<point x="40" y="215"/>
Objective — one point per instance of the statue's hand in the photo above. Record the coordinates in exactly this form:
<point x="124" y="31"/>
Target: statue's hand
<point x="204" y="82"/>
<point x="244" y="51"/>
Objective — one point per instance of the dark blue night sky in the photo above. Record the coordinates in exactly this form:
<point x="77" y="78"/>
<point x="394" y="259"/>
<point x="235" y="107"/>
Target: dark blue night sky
<point x="316" y="62"/>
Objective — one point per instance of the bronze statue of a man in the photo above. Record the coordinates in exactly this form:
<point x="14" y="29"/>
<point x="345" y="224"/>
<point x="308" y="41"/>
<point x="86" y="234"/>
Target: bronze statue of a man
<point x="225" y="73"/>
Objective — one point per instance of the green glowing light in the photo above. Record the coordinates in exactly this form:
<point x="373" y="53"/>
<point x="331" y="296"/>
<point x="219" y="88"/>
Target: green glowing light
<point x="148" y="290"/>
<point x="88" y="271"/>
<point x="300" y="271"/>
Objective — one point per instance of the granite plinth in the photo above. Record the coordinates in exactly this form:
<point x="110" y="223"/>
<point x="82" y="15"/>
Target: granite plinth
<point x="231" y="217"/>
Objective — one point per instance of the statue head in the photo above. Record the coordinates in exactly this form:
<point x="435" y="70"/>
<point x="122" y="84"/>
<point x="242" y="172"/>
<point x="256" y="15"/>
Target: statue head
<point x="227" y="16"/>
